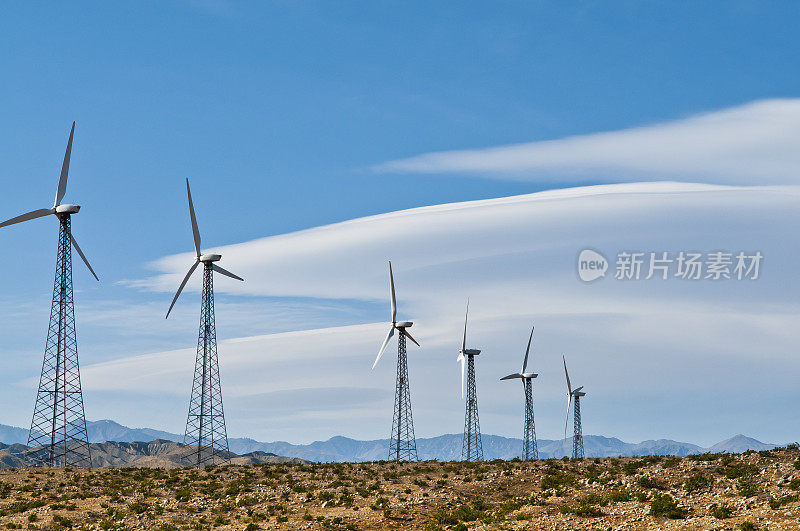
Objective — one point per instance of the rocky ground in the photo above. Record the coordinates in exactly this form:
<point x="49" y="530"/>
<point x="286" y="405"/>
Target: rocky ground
<point x="755" y="490"/>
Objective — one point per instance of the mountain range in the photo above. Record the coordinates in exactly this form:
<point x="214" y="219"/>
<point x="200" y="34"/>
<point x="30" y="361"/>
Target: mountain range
<point x="448" y="448"/>
<point x="444" y="447"/>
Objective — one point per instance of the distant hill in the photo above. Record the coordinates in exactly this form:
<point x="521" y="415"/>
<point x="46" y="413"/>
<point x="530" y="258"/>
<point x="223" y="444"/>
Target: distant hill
<point x="13" y="435"/>
<point x="108" y="430"/>
<point x="739" y="444"/>
<point x="99" y="431"/>
<point x="159" y="453"/>
<point x="444" y="447"/>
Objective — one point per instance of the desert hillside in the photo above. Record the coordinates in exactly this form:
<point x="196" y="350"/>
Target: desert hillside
<point x="754" y="490"/>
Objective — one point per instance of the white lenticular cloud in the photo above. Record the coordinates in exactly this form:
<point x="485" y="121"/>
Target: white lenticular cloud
<point x="754" y="143"/>
<point x="680" y="342"/>
<point x="529" y="238"/>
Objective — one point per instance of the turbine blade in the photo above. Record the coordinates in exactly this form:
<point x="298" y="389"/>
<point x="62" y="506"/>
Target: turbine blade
<point x="578" y="389"/>
<point x="527" y="351"/>
<point x="569" y="387"/>
<point x="463" y="361"/>
<point x="464" y="340"/>
<point x="30" y="215"/>
<point x="195" y="230"/>
<point x="185" y="280"/>
<point x="392" y="298"/>
<point x="409" y="337"/>
<point x="62" y="181"/>
<point x="569" y="402"/>
<point x="510" y="376"/>
<point x="83" y="257"/>
<point x="225" y="272"/>
<point x="383" y="347"/>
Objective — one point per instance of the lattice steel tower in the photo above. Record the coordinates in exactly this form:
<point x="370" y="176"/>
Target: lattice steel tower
<point x="471" y="444"/>
<point x="577" y="435"/>
<point x="58" y="434"/>
<point x="205" y="424"/>
<point x="529" y="448"/>
<point x="58" y="428"/>
<point x="402" y="445"/>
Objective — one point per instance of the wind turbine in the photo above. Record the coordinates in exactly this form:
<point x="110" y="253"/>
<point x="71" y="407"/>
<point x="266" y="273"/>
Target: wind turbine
<point x="58" y="434"/>
<point x="403" y="445"/>
<point x="529" y="449"/>
<point x="471" y="444"/>
<point x="205" y="424"/>
<point x="577" y="438"/>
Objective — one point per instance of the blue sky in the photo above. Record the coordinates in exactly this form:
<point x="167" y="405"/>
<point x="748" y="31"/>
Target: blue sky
<point x="284" y="115"/>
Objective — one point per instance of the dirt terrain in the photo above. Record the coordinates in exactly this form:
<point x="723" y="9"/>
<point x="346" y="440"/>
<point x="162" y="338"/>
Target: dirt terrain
<point x="755" y="490"/>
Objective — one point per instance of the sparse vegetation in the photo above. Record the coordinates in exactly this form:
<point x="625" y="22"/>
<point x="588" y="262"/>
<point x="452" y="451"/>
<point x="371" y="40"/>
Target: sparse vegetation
<point x="557" y="480"/>
<point x="747" y="486"/>
<point x="650" y="483"/>
<point x="430" y="495"/>
<point x="670" y="462"/>
<point x="720" y="512"/>
<point x="664" y="505"/>
<point x="777" y="503"/>
<point x="740" y="470"/>
<point x="697" y="481"/>
<point x="616" y="496"/>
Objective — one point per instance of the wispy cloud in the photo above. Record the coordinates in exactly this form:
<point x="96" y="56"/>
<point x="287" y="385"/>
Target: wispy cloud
<point x="754" y="143"/>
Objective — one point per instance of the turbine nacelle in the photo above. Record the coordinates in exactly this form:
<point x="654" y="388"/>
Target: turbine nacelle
<point x="67" y="209"/>
<point x="470" y="351"/>
<point x="209" y="257"/>
<point x="403" y="324"/>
